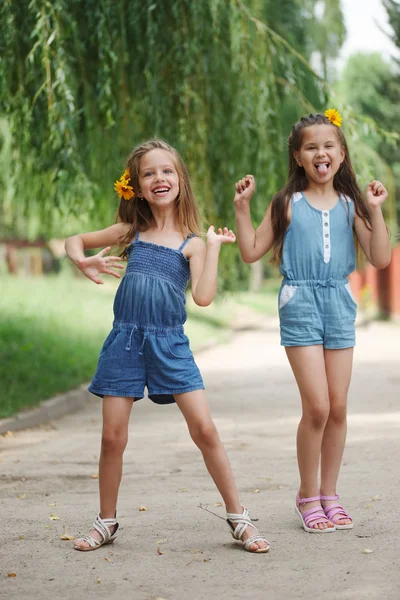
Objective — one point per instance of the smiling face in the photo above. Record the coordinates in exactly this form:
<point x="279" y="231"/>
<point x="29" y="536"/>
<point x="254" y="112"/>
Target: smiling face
<point x="320" y="153"/>
<point x="158" y="178"/>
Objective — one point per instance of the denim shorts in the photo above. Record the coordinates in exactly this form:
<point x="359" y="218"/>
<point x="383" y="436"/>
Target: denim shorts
<point x="134" y="357"/>
<point x="315" y="312"/>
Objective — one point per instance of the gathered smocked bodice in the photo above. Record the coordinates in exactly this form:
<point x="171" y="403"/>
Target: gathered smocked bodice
<point x="152" y="291"/>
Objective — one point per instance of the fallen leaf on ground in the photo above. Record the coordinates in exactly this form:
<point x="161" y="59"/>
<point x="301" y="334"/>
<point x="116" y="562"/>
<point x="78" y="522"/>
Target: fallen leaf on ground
<point x="8" y="434"/>
<point x="206" y="559"/>
<point x="52" y="504"/>
<point x="367" y="551"/>
<point x="162" y="541"/>
<point x="98" y="580"/>
<point x="218" y="504"/>
<point x="53" y="517"/>
<point x="257" y="491"/>
<point x="95" y="476"/>
<point x="11" y="574"/>
<point x="21" y="496"/>
<point x="196" y="550"/>
<point x="65" y="536"/>
<point x="184" y="490"/>
<point x="159" y="551"/>
<point x="142" y="508"/>
<point x="107" y="559"/>
<point x="376" y="498"/>
<point x="21" y="537"/>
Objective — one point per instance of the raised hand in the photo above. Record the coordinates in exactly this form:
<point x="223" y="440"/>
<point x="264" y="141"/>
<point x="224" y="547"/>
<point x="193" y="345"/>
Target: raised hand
<point x="224" y="236"/>
<point x="245" y="189"/>
<point x="92" y="266"/>
<point x="376" y="194"/>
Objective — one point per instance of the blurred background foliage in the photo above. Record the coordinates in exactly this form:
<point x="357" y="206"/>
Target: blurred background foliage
<point x="222" y="80"/>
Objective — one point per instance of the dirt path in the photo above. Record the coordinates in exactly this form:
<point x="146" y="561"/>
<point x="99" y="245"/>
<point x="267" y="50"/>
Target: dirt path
<point x="176" y="551"/>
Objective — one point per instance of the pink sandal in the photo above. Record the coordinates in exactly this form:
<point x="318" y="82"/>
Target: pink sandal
<point x="313" y="516"/>
<point x="335" y="512"/>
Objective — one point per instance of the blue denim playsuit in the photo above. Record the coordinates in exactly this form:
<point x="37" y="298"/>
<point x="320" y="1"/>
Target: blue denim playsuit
<point x="147" y="345"/>
<point x="316" y="305"/>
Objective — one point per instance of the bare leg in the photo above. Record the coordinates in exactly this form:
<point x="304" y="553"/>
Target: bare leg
<point x="195" y="410"/>
<point x="338" y="365"/>
<point x="308" y="367"/>
<point x="116" y="413"/>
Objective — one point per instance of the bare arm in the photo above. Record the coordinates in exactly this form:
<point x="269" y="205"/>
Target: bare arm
<point x="253" y="244"/>
<point x="91" y="266"/>
<point x="204" y="264"/>
<point x="375" y="243"/>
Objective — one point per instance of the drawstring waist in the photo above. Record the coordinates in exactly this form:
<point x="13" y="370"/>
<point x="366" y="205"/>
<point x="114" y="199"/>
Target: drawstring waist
<point x="146" y="330"/>
<point x="316" y="283"/>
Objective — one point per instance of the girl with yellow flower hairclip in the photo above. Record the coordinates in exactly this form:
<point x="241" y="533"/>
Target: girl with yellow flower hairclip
<point x="159" y="230"/>
<point x="309" y="227"/>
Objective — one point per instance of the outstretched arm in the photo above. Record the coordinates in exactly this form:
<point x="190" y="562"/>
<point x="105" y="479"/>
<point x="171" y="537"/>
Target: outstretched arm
<point x="204" y="264"/>
<point x="375" y="243"/>
<point x="92" y="266"/>
<point x="253" y="244"/>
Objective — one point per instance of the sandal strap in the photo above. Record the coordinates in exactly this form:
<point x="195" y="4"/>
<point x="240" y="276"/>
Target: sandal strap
<point x="334" y="511"/>
<point x="314" y="516"/>
<point x="336" y="497"/>
<point x="242" y="522"/>
<point x="103" y="527"/>
<point x="87" y="538"/>
<point x="255" y="538"/>
<point x="306" y="500"/>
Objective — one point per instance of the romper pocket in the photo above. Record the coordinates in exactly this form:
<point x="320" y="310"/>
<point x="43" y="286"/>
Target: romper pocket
<point x="178" y="345"/>
<point x="350" y="293"/>
<point x="112" y="336"/>
<point x="286" y="295"/>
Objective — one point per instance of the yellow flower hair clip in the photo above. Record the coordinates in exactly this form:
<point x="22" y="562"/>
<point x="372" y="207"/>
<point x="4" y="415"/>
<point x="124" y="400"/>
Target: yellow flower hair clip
<point x="122" y="187"/>
<point x="334" y="116"/>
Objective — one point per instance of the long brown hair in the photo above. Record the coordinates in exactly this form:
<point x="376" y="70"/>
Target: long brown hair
<point x="344" y="182"/>
<point x="137" y="211"/>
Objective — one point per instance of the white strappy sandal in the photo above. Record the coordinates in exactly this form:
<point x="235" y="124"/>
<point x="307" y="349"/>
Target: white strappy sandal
<point x="239" y="524"/>
<point x="103" y="527"/>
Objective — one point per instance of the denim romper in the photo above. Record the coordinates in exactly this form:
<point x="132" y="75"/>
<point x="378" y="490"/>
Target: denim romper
<point x="147" y="345"/>
<point x="316" y="305"/>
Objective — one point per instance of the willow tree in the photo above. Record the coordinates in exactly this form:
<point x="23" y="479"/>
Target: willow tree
<point x="82" y="83"/>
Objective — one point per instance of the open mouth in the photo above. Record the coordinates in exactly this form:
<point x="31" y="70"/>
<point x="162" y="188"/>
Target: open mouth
<point x="322" y="168"/>
<point x="161" y="191"/>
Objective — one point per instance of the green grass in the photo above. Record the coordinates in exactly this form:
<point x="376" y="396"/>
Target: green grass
<point x="52" y="329"/>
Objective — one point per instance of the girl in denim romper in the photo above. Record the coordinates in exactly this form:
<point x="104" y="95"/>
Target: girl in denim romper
<point x="158" y="228"/>
<point x="310" y="226"/>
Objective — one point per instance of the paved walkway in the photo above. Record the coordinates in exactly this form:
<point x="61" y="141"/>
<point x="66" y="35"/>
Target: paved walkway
<point x="176" y="551"/>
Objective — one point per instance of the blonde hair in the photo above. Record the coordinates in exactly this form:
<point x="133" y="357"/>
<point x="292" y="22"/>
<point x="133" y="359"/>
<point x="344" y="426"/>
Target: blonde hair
<point x="137" y="211"/>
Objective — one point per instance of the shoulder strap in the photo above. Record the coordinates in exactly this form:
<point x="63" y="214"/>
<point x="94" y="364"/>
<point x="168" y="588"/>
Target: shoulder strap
<point x="137" y="236"/>
<point x="296" y="197"/>
<point x="181" y="247"/>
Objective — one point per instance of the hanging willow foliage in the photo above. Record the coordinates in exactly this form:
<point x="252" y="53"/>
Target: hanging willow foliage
<point x="82" y="83"/>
